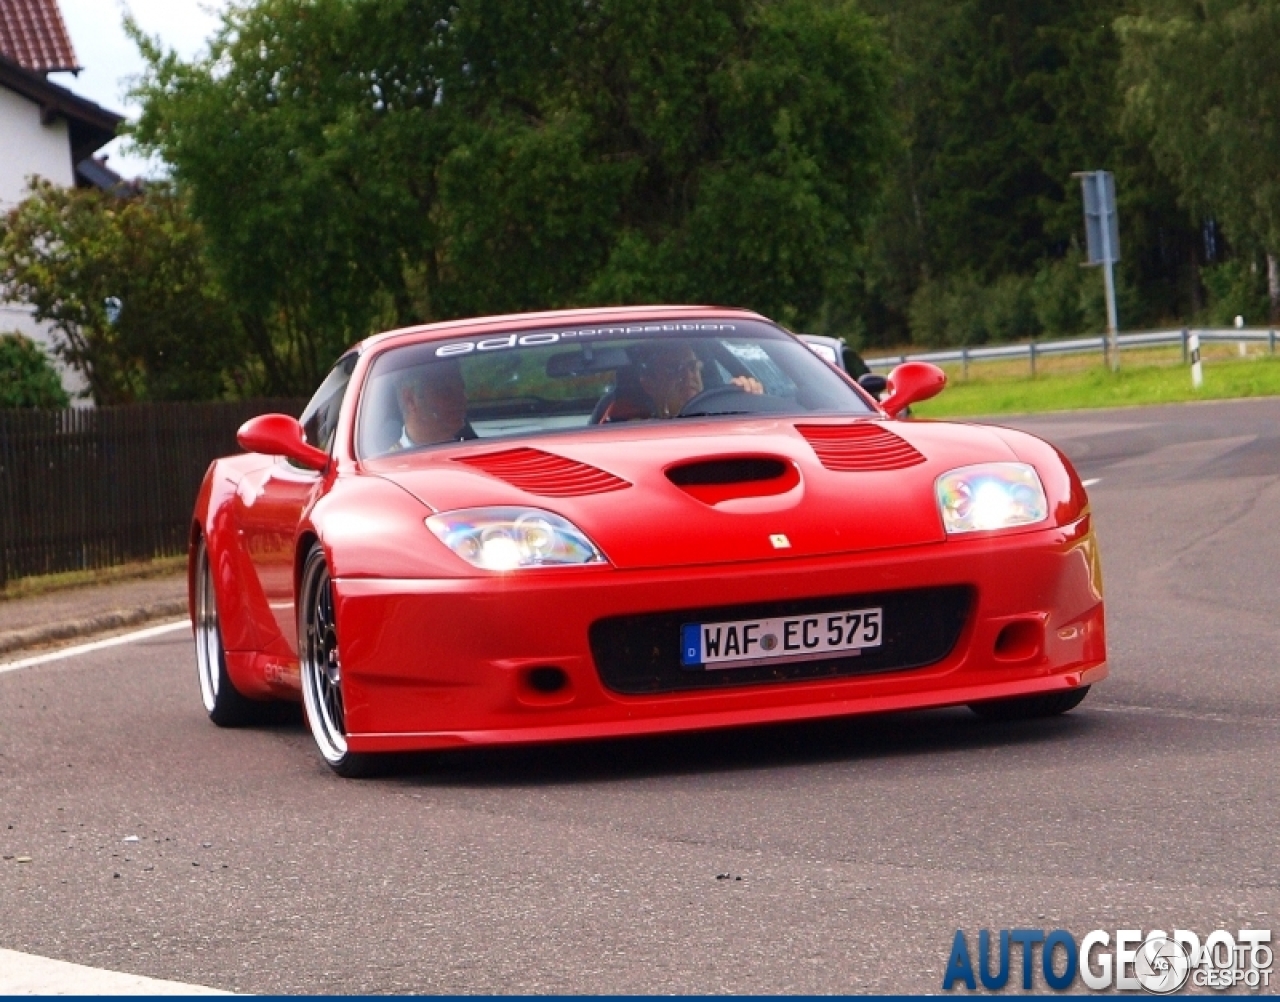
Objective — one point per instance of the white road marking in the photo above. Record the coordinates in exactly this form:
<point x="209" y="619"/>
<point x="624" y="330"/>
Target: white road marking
<point x="27" y="974"/>
<point x="1090" y="483"/>
<point x="97" y="645"/>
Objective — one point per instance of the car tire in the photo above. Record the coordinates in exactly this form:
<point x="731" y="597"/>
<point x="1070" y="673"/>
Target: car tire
<point x="1031" y="707"/>
<point x="321" y="664"/>
<point x="225" y="704"/>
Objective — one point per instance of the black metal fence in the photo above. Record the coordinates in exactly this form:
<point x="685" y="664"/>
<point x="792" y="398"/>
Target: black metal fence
<point x="91" y="488"/>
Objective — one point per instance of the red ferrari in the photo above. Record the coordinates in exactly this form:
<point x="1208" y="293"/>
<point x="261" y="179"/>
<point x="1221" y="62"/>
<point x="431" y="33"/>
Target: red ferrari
<point x="596" y="523"/>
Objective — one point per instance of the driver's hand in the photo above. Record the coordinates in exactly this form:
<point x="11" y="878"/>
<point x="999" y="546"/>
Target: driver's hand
<point x="748" y="384"/>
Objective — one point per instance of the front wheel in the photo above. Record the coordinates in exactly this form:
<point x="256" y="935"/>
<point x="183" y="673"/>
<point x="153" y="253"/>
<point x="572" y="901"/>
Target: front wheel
<point x="321" y="663"/>
<point x="1051" y="704"/>
<point x="225" y="704"/>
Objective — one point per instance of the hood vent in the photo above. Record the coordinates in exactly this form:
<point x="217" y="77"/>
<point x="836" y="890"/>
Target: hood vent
<point x="545" y="473"/>
<point x="745" y="470"/>
<point x="732" y="478"/>
<point x="864" y="447"/>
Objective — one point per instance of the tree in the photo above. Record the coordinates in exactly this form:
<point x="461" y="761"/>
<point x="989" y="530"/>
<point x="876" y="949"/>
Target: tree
<point x="304" y="163"/>
<point x="998" y="102"/>
<point x="1202" y="85"/>
<point x="359" y="163"/>
<point x="125" y="285"/>
<point x="26" y="377"/>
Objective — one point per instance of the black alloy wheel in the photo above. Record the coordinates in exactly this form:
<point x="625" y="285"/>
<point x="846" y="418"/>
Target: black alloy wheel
<point x="321" y="663"/>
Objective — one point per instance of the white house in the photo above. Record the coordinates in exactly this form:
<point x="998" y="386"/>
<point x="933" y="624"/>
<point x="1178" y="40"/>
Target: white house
<point x="45" y="129"/>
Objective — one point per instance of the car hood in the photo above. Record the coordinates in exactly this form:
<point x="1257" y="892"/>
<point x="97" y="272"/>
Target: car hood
<point x="834" y="488"/>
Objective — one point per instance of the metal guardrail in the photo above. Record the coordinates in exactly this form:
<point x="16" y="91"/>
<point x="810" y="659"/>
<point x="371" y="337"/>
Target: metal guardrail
<point x="1081" y="346"/>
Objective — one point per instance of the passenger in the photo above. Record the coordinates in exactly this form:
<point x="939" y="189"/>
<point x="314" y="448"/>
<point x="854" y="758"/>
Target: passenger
<point x="433" y="404"/>
<point x="666" y="376"/>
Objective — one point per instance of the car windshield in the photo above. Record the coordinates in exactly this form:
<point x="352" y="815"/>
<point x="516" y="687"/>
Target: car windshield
<point x="503" y="385"/>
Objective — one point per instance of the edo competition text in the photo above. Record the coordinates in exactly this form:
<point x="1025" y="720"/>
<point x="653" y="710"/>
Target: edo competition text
<point x="537" y="338"/>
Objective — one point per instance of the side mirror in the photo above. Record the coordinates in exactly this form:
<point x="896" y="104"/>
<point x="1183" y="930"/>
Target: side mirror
<point x="280" y="435"/>
<point x="910" y="383"/>
<point x="873" y="383"/>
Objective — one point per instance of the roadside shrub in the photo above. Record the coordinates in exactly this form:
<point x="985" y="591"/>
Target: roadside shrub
<point x="1236" y="288"/>
<point x="962" y="311"/>
<point x="1058" y="293"/>
<point x="27" y="378"/>
<point x="1094" y="299"/>
<point x="1010" y="311"/>
<point x="949" y="312"/>
<point x="1062" y="299"/>
<point x="927" y="314"/>
<point x="1071" y="299"/>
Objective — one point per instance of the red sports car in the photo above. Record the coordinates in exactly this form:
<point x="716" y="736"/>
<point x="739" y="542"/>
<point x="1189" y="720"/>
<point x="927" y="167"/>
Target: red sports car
<point x="595" y="523"/>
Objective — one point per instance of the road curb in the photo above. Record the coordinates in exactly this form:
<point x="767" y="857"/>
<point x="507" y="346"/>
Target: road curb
<point x="34" y="636"/>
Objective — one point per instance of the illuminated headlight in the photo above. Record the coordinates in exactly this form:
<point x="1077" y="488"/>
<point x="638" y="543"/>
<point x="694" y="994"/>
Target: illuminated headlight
<point x="991" y="496"/>
<point x="507" y="539"/>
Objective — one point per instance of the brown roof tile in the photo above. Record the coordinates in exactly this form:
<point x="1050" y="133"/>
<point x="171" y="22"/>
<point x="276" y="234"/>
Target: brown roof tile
<point x="33" y="35"/>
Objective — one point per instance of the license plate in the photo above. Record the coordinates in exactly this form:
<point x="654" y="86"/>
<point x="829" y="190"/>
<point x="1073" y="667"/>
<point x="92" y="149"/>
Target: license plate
<point x="790" y="638"/>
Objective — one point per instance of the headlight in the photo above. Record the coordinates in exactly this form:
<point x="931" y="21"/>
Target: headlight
<point x="991" y="496"/>
<point x="506" y="539"/>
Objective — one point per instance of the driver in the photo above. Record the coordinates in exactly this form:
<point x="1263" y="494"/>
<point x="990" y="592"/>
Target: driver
<point x="669" y="375"/>
<point x="433" y="403"/>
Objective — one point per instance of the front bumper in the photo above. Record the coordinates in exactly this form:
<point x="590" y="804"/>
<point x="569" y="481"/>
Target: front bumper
<point x="449" y="663"/>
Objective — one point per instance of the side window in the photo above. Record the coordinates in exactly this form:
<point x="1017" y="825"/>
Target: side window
<point x="320" y="419"/>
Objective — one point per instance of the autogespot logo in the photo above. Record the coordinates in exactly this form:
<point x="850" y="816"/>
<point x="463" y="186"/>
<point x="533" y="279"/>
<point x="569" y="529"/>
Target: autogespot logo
<point x="1162" y="965"/>
<point x="1155" y="962"/>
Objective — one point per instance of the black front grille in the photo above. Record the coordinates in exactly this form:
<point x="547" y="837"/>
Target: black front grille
<point x="641" y="654"/>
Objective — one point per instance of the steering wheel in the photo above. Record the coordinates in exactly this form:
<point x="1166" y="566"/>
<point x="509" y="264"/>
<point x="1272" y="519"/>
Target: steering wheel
<point x="696" y="405"/>
<point x="602" y="407"/>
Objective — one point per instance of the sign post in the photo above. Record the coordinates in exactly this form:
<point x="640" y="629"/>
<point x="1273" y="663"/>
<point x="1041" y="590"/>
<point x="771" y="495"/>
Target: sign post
<point x="1102" y="233"/>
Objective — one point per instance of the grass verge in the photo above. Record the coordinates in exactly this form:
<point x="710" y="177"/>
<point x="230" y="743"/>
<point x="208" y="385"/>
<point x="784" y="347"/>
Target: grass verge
<point x="1145" y="378"/>
<point x="45" y="583"/>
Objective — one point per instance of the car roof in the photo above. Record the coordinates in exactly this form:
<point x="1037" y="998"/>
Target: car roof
<point x="519" y="321"/>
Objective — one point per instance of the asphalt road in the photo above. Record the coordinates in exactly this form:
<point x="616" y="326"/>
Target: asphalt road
<point x="835" y="857"/>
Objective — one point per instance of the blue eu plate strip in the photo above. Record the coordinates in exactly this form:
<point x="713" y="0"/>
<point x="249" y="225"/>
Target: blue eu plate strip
<point x="691" y="645"/>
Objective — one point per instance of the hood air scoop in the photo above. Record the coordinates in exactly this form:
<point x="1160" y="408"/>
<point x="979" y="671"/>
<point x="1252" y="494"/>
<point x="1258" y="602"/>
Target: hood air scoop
<point x="545" y="473"/>
<point x="712" y="481"/>
<point x="865" y="447"/>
